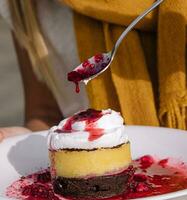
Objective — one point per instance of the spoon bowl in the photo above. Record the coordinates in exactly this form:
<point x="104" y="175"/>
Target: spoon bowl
<point x="90" y="68"/>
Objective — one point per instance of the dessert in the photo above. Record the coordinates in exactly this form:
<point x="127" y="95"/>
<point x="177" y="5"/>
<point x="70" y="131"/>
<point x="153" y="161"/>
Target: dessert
<point x="90" y="155"/>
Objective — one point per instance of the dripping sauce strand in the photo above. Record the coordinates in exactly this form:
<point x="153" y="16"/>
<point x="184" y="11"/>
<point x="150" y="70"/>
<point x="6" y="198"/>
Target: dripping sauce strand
<point x="89" y="116"/>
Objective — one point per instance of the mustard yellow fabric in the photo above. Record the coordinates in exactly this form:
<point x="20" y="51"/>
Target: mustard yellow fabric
<point x="147" y="79"/>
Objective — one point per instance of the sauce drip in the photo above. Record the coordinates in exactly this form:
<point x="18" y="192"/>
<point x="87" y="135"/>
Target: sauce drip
<point x="89" y="116"/>
<point x="87" y="69"/>
<point x="149" y="180"/>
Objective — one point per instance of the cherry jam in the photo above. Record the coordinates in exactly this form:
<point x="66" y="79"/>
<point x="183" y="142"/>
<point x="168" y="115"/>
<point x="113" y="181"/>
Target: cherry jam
<point x="88" y="69"/>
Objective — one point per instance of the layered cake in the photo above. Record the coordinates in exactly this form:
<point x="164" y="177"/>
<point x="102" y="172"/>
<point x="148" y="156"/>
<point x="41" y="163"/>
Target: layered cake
<point x="90" y="155"/>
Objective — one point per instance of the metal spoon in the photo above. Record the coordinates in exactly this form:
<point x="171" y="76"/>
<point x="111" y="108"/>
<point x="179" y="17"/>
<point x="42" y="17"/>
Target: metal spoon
<point x="96" y="65"/>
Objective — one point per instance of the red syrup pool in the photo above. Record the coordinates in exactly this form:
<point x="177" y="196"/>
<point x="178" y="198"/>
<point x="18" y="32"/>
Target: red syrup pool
<point x="152" y="177"/>
<point x="89" y="116"/>
<point x="88" y="69"/>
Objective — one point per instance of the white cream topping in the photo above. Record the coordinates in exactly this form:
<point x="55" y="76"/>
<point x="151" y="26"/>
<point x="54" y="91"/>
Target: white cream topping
<point x="113" y="133"/>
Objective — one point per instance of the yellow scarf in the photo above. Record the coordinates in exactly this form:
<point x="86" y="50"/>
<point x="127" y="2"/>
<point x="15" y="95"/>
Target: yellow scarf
<point x="147" y="79"/>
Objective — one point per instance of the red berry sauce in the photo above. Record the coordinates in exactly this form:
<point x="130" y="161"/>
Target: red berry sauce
<point x="146" y="162"/>
<point x="88" y="68"/>
<point x="33" y="187"/>
<point x="160" y="178"/>
<point x="89" y="116"/>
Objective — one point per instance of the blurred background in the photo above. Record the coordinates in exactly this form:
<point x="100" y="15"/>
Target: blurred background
<point x="11" y="91"/>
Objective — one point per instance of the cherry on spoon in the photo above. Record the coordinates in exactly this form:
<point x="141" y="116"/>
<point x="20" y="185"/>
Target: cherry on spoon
<point x="97" y="64"/>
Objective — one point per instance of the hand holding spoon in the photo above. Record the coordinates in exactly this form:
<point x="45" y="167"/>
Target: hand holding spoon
<point x="97" y="64"/>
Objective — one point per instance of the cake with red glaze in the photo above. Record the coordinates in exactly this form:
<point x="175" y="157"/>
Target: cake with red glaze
<point x="90" y="155"/>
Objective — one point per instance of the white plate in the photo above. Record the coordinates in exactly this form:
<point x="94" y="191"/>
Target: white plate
<point x="22" y="155"/>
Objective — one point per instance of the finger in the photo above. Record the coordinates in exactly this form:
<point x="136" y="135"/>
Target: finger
<point x="1" y="137"/>
<point x="13" y="131"/>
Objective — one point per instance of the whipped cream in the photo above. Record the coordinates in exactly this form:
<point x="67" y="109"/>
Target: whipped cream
<point x="74" y="132"/>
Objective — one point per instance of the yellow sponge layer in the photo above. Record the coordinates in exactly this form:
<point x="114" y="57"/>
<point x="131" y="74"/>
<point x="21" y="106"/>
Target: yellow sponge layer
<point x="97" y="162"/>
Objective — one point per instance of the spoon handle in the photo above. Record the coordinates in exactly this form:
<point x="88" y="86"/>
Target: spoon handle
<point x="130" y="27"/>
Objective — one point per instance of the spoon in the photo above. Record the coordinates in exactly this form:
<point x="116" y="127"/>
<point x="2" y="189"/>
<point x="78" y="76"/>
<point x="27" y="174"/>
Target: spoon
<point x="97" y="64"/>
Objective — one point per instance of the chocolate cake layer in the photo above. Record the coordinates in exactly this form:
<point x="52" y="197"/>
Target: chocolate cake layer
<point x="95" y="187"/>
